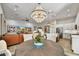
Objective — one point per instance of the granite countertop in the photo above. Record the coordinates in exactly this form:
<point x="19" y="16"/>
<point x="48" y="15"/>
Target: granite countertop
<point x="76" y="34"/>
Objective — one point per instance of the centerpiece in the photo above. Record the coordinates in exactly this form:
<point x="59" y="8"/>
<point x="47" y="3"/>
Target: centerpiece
<point x="39" y="37"/>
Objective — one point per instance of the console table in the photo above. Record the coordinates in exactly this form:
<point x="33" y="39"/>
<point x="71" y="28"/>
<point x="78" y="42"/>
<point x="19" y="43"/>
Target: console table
<point x="50" y="49"/>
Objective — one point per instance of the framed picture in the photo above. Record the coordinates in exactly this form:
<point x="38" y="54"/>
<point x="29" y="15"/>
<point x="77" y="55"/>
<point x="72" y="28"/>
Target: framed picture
<point x="47" y="29"/>
<point x="11" y="28"/>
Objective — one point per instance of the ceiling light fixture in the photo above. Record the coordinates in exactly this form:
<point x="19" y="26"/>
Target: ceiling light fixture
<point x="15" y="9"/>
<point x="68" y="10"/>
<point x="39" y="14"/>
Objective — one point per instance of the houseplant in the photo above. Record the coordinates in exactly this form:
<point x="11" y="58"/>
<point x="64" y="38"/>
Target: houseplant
<point x="38" y="38"/>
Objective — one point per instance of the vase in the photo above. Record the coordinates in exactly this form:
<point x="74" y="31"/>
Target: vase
<point x="38" y="45"/>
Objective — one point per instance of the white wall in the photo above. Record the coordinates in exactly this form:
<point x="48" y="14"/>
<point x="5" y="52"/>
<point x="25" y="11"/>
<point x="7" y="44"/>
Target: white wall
<point x="19" y="23"/>
<point x="3" y="23"/>
<point x="68" y="26"/>
<point x="77" y="21"/>
<point x="1" y="12"/>
<point x="0" y="18"/>
<point x="4" y="27"/>
<point x="0" y="24"/>
<point x="65" y="20"/>
<point x="66" y="23"/>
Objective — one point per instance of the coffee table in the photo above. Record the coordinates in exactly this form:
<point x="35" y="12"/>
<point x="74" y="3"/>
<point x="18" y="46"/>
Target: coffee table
<point x="50" y="49"/>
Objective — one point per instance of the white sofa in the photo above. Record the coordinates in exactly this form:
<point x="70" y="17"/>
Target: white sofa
<point x="3" y="48"/>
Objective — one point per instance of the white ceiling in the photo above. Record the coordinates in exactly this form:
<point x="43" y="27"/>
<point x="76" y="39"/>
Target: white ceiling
<point x="55" y="10"/>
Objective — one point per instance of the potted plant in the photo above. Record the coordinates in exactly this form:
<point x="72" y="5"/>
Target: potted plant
<point x="38" y="38"/>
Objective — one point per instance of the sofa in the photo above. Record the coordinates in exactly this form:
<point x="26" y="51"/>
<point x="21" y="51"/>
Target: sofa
<point x="12" y="39"/>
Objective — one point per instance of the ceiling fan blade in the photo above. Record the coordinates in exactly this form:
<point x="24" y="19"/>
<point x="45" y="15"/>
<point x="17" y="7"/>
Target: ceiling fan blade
<point x="24" y="18"/>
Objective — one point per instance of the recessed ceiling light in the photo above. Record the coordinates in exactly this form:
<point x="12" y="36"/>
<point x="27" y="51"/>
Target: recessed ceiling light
<point x="68" y="10"/>
<point x="15" y="9"/>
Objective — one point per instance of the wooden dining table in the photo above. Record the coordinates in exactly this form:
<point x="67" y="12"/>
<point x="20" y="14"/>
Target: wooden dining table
<point x="50" y="48"/>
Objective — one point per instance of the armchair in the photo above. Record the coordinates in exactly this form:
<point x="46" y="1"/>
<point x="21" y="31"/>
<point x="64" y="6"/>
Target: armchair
<point x="3" y="49"/>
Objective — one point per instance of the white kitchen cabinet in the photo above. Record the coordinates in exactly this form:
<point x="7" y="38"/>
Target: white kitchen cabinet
<point x="67" y="33"/>
<point x="75" y="43"/>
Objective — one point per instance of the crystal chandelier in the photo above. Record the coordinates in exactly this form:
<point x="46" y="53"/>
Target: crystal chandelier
<point x="39" y="14"/>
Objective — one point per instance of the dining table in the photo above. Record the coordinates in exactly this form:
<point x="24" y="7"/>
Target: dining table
<point x="49" y="48"/>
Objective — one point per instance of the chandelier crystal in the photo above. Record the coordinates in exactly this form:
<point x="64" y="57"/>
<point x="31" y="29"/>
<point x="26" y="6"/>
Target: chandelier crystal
<point x="39" y="14"/>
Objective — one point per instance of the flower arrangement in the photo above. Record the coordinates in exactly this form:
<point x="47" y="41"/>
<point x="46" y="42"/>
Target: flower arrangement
<point x="38" y="37"/>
